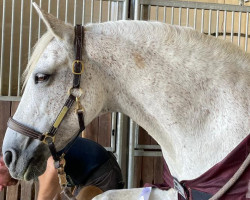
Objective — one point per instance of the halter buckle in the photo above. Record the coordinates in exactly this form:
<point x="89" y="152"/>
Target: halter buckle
<point x="79" y="107"/>
<point x="60" y="171"/>
<point x="73" y="67"/>
<point x="62" y="180"/>
<point x="48" y="139"/>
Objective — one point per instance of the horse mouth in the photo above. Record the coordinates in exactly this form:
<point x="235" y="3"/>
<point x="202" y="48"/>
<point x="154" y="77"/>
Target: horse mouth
<point x="31" y="172"/>
<point x="28" y="172"/>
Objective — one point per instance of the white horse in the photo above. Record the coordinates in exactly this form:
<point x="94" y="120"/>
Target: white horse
<point x="191" y="92"/>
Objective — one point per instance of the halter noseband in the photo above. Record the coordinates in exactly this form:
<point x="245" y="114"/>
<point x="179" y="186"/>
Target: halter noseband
<point x="49" y="137"/>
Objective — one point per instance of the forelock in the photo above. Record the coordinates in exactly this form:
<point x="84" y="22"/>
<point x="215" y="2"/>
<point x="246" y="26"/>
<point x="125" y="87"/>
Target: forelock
<point x="38" y="49"/>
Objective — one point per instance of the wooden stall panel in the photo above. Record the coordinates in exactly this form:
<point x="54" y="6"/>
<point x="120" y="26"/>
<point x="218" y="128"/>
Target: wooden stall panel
<point x="147" y="169"/>
<point x="13" y="192"/>
<point x="5" y="109"/>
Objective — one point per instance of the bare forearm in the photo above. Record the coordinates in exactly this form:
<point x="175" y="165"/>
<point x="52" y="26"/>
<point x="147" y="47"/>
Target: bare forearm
<point x="48" y="183"/>
<point x="48" y="188"/>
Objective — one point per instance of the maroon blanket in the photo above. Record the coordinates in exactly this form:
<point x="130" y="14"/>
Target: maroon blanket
<point x="216" y="177"/>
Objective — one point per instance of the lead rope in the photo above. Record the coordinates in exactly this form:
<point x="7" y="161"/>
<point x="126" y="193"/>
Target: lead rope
<point x="232" y="181"/>
<point x="66" y="193"/>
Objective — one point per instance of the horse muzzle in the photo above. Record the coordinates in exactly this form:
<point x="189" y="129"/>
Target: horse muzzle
<point x="24" y="157"/>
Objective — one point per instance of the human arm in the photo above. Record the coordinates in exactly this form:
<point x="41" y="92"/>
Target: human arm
<point x="48" y="182"/>
<point x="5" y="178"/>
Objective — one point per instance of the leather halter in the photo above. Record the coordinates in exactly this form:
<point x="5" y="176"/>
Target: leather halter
<point x="49" y="137"/>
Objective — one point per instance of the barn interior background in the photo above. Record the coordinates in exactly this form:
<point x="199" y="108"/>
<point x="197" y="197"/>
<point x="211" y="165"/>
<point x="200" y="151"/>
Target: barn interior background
<point x="137" y="153"/>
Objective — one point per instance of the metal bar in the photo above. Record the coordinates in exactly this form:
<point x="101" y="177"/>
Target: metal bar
<point x="202" y="20"/>
<point x="20" y="52"/>
<point x="125" y="9"/>
<point x="196" y="5"/>
<point x="141" y="10"/>
<point x="30" y="30"/>
<point x="148" y="147"/>
<point x="157" y="13"/>
<point x="113" y="131"/>
<point x="131" y="153"/>
<point x="39" y="22"/>
<point x="117" y="10"/>
<point x="149" y="12"/>
<point x="100" y="12"/>
<point x="164" y="14"/>
<point x="147" y="153"/>
<point x="239" y="28"/>
<point x="119" y="137"/>
<point x="209" y="22"/>
<point x="11" y="46"/>
<point x="172" y="16"/>
<point x="92" y="11"/>
<point x="49" y="6"/>
<point x="136" y="135"/>
<point x="180" y="10"/>
<point x="83" y="12"/>
<point x="225" y="25"/>
<point x="74" y="12"/>
<point x="109" y="10"/>
<point x="66" y="11"/>
<point x="2" y="47"/>
<point x="232" y="27"/>
<point x="217" y="23"/>
<point x="246" y="36"/>
<point x="10" y="98"/>
<point x="195" y="16"/>
<point x="187" y="17"/>
<point x="57" y="8"/>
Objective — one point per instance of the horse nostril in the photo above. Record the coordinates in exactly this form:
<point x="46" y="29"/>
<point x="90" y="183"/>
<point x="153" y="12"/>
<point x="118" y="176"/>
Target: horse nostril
<point x="8" y="158"/>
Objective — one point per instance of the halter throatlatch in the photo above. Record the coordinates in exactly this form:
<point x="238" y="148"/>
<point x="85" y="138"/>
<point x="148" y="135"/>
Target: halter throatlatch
<point x="49" y="137"/>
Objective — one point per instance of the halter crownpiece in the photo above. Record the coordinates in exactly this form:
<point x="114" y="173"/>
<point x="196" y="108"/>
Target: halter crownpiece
<point x="49" y="137"/>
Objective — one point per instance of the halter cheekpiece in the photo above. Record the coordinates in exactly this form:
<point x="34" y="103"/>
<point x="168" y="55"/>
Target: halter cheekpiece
<point x="49" y="137"/>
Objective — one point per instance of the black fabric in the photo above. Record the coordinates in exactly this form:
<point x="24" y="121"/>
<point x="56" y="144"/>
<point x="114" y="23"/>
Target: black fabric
<point x="197" y="195"/>
<point x="83" y="158"/>
<point x="107" y="177"/>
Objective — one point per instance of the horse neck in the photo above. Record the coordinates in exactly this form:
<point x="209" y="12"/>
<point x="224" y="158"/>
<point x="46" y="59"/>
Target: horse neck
<point x="182" y="106"/>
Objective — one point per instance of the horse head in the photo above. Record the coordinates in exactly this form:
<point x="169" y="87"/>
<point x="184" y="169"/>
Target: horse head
<point x="48" y="80"/>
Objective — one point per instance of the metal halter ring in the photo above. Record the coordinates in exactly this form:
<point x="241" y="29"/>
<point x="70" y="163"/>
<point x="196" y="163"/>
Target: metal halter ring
<point x="48" y="139"/>
<point x="79" y="90"/>
<point x="73" y="67"/>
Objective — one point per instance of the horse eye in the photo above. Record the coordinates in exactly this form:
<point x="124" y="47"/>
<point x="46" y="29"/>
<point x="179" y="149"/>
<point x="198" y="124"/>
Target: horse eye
<point x="39" y="78"/>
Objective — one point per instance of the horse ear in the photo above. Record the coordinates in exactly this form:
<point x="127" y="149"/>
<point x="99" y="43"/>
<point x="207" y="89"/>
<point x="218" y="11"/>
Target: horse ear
<point x="57" y="27"/>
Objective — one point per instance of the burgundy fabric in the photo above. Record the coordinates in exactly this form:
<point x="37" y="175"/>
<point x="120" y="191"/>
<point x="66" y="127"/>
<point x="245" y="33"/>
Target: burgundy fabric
<point x="216" y="177"/>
